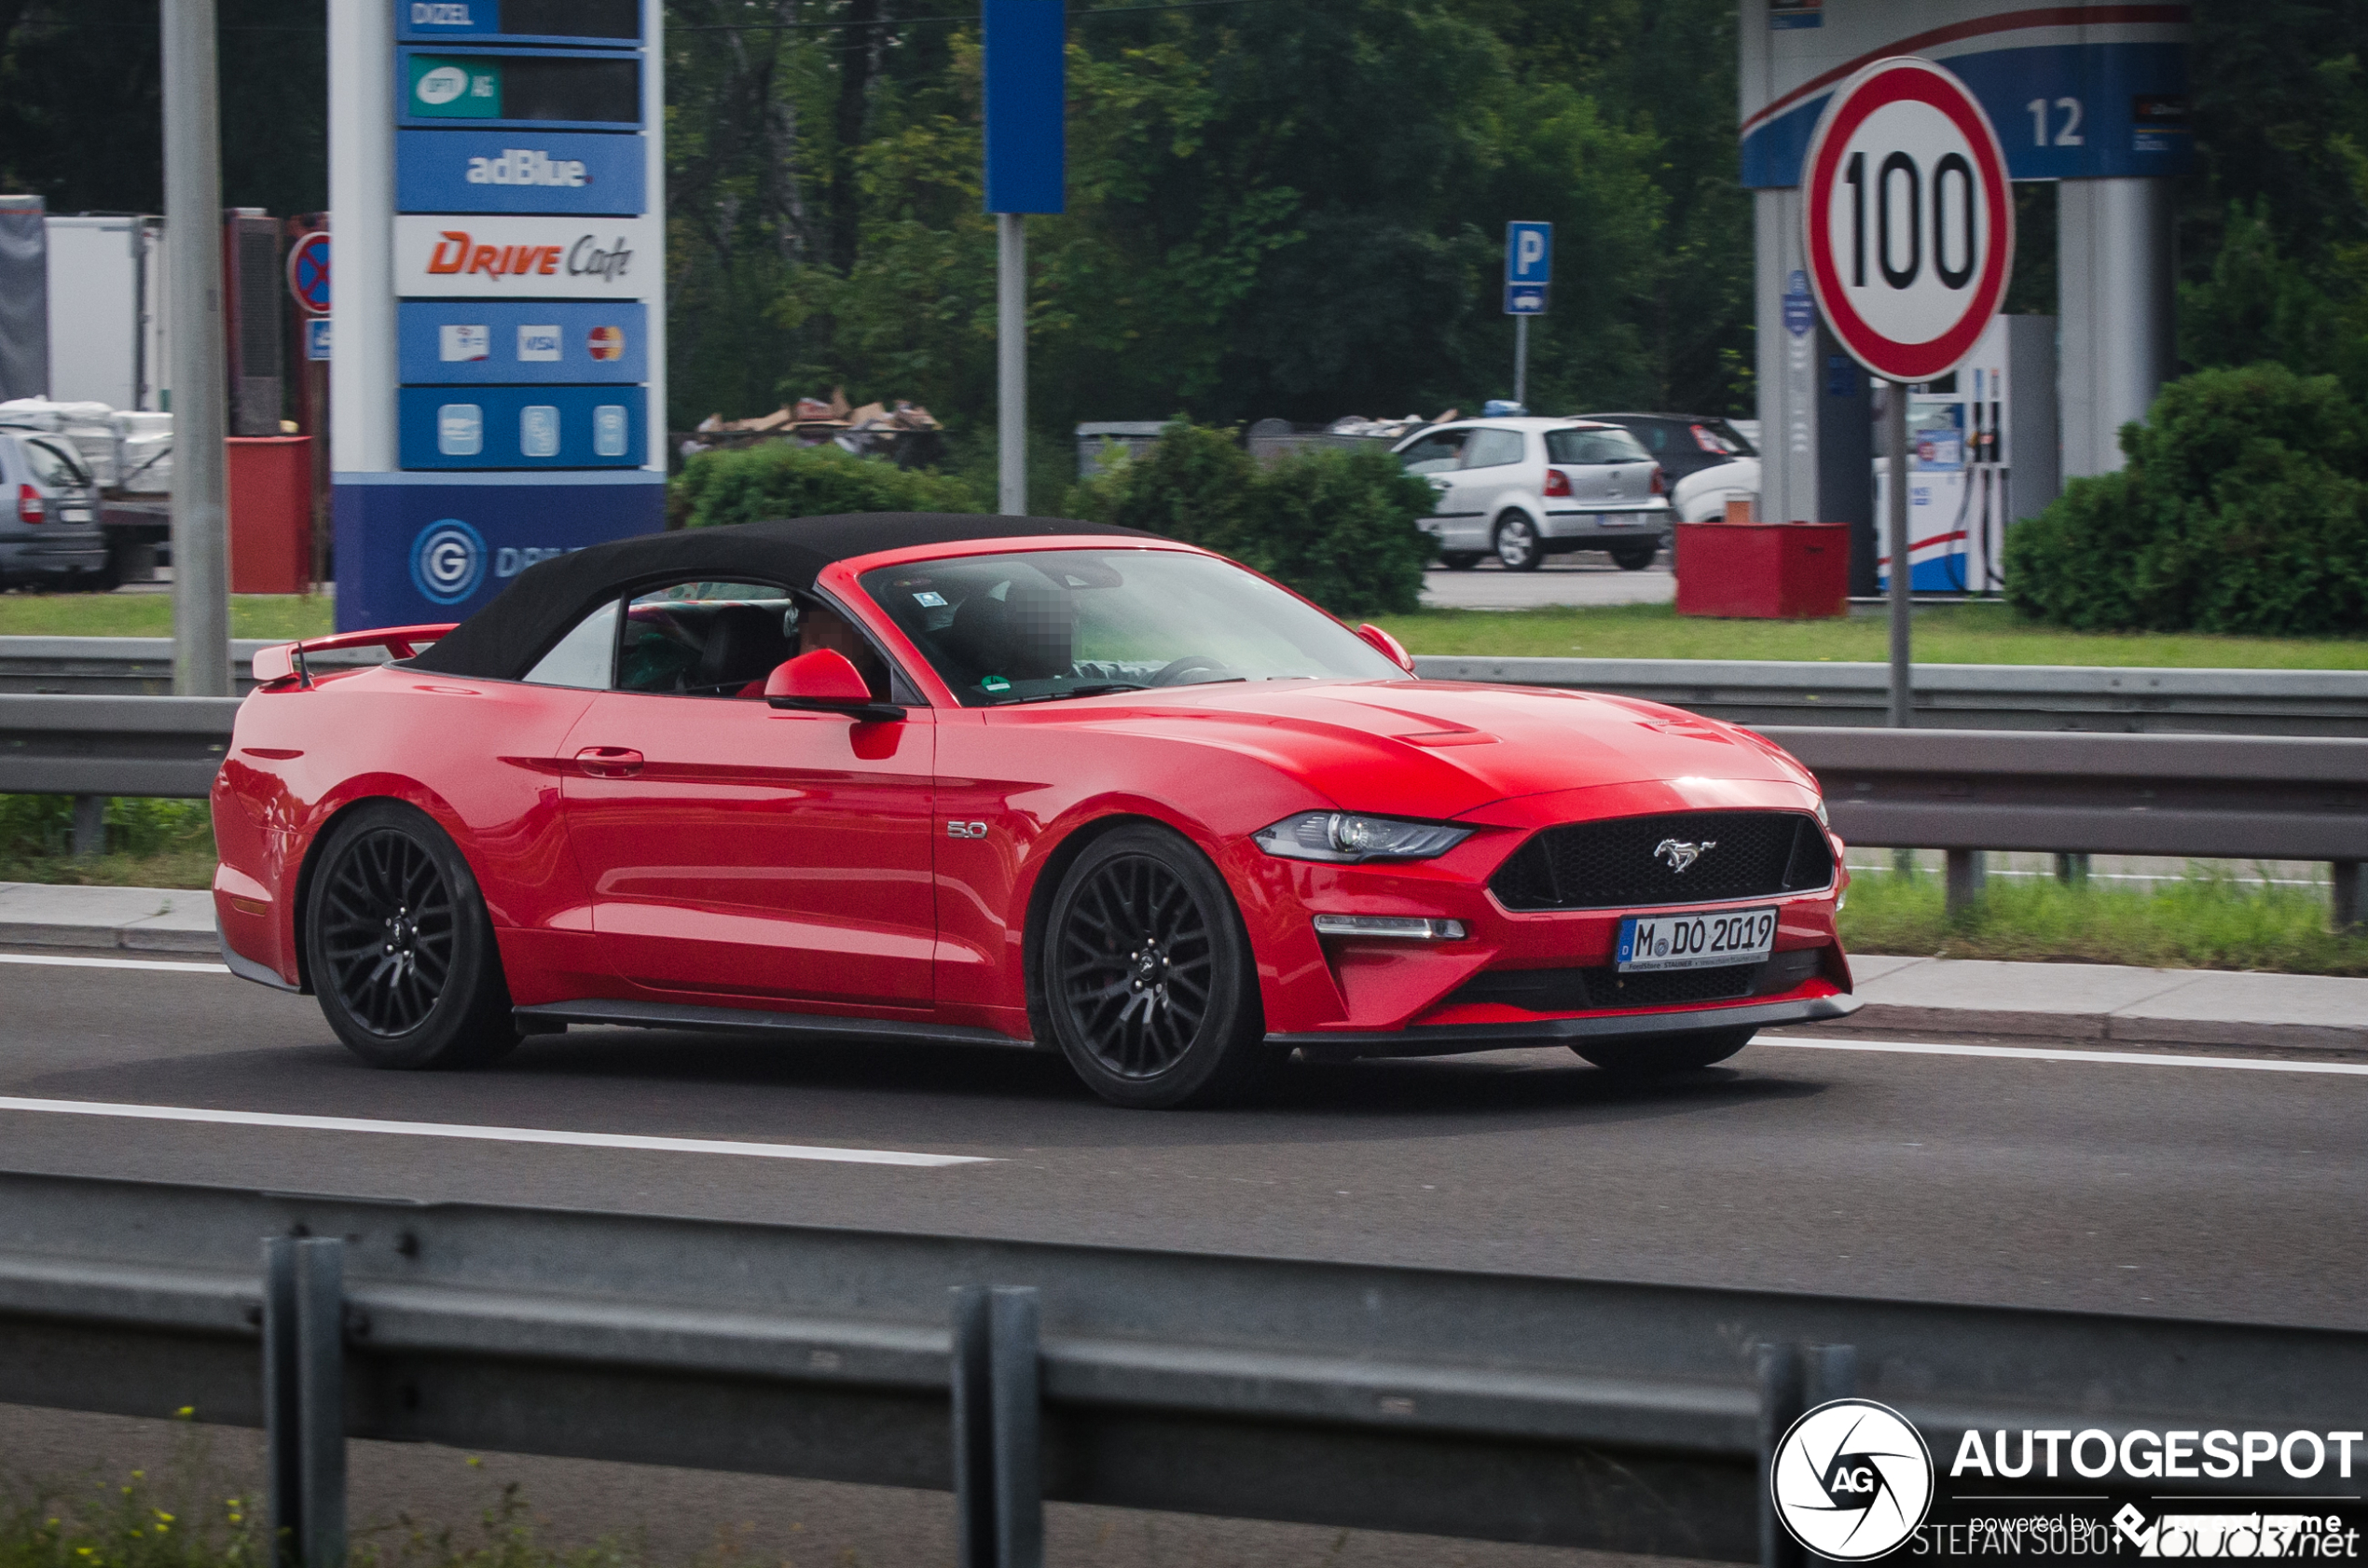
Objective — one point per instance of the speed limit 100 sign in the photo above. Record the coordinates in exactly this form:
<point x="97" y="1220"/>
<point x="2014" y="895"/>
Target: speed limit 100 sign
<point x="1910" y="224"/>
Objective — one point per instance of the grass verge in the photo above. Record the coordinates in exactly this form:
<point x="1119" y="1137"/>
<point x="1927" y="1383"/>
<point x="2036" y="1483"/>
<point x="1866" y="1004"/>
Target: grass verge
<point x="1948" y="634"/>
<point x="2209" y="921"/>
<point x="151" y="843"/>
<point x="268" y="616"/>
<point x="194" y="1517"/>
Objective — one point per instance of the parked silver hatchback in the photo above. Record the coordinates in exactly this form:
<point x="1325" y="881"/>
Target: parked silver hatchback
<point x="1525" y="489"/>
<point x="49" y="524"/>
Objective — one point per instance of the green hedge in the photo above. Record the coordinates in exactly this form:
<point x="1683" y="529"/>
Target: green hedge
<point x="782" y="480"/>
<point x="2243" y="509"/>
<point x="1337" y="525"/>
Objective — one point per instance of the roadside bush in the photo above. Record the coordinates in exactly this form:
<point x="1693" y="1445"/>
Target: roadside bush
<point x="2243" y="509"/>
<point x="36" y="826"/>
<point x="1337" y="525"/>
<point x="782" y="480"/>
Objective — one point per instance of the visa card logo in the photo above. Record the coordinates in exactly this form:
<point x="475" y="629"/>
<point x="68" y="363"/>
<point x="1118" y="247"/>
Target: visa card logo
<point x="456" y="344"/>
<point x="539" y="344"/>
<point x="607" y="342"/>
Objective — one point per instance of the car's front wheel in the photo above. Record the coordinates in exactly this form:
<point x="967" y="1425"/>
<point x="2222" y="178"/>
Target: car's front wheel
<point x="399" y="946"/>
<point x="1659" y="1056"/>
<point x="1518" y="547"/>
<point x="1633" y="557"/>
<point x="1148" y="975"/>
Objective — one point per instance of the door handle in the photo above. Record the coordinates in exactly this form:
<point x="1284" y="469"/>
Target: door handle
<point x="608" y="761"/>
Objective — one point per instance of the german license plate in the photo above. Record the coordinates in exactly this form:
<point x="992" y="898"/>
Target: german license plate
<point x="1615" y="519"/>
<point x="75" y="515"/>
<point x="1696" y="942"/>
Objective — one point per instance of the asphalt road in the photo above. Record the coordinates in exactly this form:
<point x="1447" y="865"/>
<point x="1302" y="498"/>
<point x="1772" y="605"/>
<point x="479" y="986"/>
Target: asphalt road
<point x="2130" y="1182"/>
<point x="1588" y="578"/>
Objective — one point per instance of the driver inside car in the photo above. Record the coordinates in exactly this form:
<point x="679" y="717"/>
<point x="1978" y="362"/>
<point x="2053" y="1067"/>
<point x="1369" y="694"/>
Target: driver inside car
<point x="820" y="626"/>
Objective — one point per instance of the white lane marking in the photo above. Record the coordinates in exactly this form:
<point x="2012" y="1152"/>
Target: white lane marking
<point x="492" y="1135"/>
<point x="2030" y="1053"/>
<point x="115" y="964"/>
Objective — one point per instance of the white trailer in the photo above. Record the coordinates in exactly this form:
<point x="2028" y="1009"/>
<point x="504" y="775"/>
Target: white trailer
<point x="106" y="311"/>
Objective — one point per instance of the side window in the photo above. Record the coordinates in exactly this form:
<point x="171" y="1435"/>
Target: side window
<point x="584" y="658"/>
<point x="1435" y="453"/>
<point x="1492" y="449"/>
<point x="710" y="639"/>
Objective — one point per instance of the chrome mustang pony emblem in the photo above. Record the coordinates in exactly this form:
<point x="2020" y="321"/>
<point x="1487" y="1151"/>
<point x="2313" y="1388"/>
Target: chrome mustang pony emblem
<point x="1681" y="854"/>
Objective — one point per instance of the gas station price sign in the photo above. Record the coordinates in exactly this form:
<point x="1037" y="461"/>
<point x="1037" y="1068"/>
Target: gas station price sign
<point x="528" y="88"/>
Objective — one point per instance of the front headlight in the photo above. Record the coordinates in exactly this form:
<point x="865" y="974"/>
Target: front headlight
<point x="1345" y="836"/>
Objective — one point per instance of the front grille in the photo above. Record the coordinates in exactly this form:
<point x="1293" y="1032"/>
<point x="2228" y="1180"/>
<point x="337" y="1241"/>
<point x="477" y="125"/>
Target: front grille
<point x="1604" y="988"/>
<point x="1628" y="861"/>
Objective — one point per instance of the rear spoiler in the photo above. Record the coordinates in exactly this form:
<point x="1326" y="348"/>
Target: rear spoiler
<point x="284" y="661"/>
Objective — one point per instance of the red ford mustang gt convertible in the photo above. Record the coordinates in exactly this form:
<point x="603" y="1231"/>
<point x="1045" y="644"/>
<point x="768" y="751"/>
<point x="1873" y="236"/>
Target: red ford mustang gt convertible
<point x="1015" y="782"/>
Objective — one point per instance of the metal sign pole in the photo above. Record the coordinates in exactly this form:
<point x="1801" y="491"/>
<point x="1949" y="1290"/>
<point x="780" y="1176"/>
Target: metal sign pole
<point x="1520" y="361"/>
<point x="193" y="273"/>
<point x="1903" y="715"/>
<point x="1010" y="362"/>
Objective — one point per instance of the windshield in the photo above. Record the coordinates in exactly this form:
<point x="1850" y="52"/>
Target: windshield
<point x="1608" y="444"/>
<point x="53" y="467"/>
<point x="1036" y="624"/>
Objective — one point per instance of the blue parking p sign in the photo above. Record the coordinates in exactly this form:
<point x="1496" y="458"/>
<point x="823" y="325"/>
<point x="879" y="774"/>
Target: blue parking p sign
<point x="1529" y="252"/>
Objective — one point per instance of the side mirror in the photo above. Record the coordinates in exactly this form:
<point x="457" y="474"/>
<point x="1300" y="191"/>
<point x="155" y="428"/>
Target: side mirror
<point x="826" y="681"/>
<point x="1389" y="647"/>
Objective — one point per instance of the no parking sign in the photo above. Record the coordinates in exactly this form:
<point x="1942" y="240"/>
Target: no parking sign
<point x="309" y="273"/>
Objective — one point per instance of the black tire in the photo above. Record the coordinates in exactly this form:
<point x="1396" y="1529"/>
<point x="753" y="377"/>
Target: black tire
<point x="1148" y="975"/>
<point x="1519" y="549"/>
<point x="1663" y="1056"/>
<point x="399" y="947"/>
<point x="1634" y="558"/>
<point x="1459" y="561"/>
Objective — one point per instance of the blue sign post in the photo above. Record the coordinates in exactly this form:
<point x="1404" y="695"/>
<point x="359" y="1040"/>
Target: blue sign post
<point x="1529" y="267"/>
<point x="1026" y="172"/>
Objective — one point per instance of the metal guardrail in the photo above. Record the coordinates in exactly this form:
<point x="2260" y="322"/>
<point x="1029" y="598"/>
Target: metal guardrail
<point x="1948" y="697"/>
<point x="1573" y="1412"/>
<point x="1960" y="696"/>
<point x="127" y="666"/>
<point x="2240" y="797"/>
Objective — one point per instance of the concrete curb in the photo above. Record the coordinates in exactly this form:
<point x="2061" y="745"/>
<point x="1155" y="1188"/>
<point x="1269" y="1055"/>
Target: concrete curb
<point x="136" y="919"/>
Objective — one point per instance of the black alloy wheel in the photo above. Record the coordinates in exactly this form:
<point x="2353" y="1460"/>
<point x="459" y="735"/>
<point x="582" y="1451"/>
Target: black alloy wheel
<point x="1518" y="547"/>
<point x="1663" y="1056"/>
<point x="399" y="947"/>
<point x="1147" y="974"/>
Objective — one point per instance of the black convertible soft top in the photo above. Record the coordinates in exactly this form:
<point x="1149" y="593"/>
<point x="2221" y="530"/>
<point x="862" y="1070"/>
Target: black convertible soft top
<point x="501" y="642"/>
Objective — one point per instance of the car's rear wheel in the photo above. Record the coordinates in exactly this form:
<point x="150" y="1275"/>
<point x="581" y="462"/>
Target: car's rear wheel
<point x="399" y="946"/>
<point x="1518" y="547"/>
<point x="1633" y="557"/>
<point x="1659" y="1056"/>
<point x="1148" y="975"/>
<point x="1459" y="561"/>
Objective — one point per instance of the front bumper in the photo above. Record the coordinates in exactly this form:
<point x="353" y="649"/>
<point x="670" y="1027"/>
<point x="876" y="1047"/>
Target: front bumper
<point x="1452" y="1040"/>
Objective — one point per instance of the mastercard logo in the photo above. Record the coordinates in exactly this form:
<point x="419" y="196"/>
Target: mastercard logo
<point x="608" y="342"/>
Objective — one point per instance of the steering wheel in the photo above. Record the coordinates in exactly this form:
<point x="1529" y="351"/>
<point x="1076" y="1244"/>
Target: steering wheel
<point x="1171" y="673"/>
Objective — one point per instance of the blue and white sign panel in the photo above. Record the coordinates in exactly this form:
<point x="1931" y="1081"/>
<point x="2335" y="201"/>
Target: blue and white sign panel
<point x="1529" y="252"/>
<point x="519" y="172"/>
<point x="521" y="427"/>
<point x="486" y="342"/>
<point x="598" y="24"/>
<point x="316" y="338"/>
<point x="1524" y="299"/>
<point x="2071" y="98"/>
<point x="413" y="553"/>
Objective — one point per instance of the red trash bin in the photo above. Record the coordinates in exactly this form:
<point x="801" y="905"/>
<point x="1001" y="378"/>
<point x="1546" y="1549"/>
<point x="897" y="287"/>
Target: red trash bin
<point x="1769" y="571"/>
<point x="270" y="481"/>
